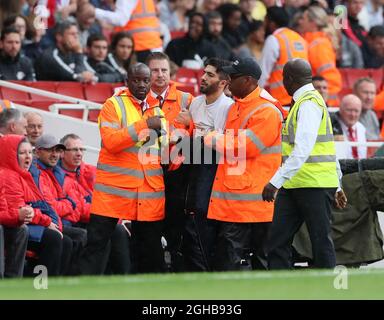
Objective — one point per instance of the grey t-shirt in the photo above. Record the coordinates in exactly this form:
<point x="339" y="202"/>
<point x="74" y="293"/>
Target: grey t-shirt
<point x="209" y="117"/>
<point x="369" y="120"/>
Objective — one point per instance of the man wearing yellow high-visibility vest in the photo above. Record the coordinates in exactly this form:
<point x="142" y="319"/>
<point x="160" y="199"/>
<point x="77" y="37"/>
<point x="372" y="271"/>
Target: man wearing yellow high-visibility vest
<point x="309" y="177"/>
<point x="128" y="185"/>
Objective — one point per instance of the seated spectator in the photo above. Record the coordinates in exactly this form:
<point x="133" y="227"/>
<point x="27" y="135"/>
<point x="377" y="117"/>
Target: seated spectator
<point x="192" y="49"/>
<point x="45" y="237"/>
<point x="60" y="193"/>
<point x="354" y="30"/>
<point x="12" y="121"/>
<point x="321" y="85"/>
<point x="215" y="28"/>
<point x="232" y="33"/>
<point x="353" y="130"/>
<point x="97" y="46"/>
<point x="254" y="44"/>
<point x="365" y="89"/>
<point x="122" y="52"/>
<point x="13" y="65"/>
<point x="82" y="177"/>
<point x="13" y="235"/>
<point x="350" y="54"/>
<point x="87" y="22"/>
<point x="65" y="62"/>
<point x="35" y="126"/>
<point x="375" y="57"/>
<point x="321" y="50"/>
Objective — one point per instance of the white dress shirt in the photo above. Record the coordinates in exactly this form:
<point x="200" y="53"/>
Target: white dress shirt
<point x="308" y="123"/>
<point x="360" y="137"/>
<point x="120" y="16"/>
<point x="269" y="57"/>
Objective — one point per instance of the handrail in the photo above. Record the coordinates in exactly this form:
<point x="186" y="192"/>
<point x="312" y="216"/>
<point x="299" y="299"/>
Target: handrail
<point x="49" y="94"/>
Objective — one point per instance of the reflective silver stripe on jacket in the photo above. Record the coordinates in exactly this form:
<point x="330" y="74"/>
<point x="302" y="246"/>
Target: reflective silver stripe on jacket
<point x="237" y="196"/>
<point x="113" y="125"/>
<point x="120" y="170"/>
<point x="129" y="194"/>
<point x="145" y="29"/>
<point x="324" y="67"/>
<point x="317" y="159"/>
<point x="276" y="85"/>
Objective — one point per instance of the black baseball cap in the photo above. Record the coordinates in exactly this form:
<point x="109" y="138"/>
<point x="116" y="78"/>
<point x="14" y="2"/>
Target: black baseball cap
<point x="246" y="67"/>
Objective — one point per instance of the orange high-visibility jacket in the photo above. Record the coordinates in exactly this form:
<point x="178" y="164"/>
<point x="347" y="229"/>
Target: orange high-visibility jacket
<point x="5" y="104"/>
<point x="175" y="101"/>
<point x="292" y="45"/>
<point x="236" y="192"/>
<point x="322" y="58"/>
<point x="144" y="26"/>
<point x="125" y="187"/>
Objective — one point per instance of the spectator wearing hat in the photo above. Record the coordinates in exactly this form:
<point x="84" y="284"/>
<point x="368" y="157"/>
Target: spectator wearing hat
<point x="250" y="148"/>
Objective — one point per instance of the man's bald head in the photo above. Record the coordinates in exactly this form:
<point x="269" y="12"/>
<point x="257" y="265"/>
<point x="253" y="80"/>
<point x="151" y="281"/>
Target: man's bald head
<point x="296" y="73"/>
<point x="139" y="80"/>
<point x="350" y="109"/>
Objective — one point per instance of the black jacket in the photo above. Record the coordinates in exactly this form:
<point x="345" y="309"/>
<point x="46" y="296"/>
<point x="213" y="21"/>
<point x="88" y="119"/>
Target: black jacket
<point x="103" y="70"/>
<point x="53" y="65"/>
<point x="185" y="48"/>
<point x="18" y="68"/>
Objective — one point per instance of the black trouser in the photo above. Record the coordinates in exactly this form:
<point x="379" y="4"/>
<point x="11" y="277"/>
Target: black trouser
<point x="52" y="251"/>
<point x="176" y="183"/>
<point x="79" y="240"/>
<point x="147" y="254"/>
<point x="13" y="246"/>
<point x="199" y="232"/>
<point x="292" y="208"/>
<point x="99" y="232"/>
<point x="119" y="260"/>
<point x="240" y="246"/>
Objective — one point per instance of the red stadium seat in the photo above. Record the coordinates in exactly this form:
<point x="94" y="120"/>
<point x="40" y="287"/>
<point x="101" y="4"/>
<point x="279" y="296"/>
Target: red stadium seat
<point x="15" y="96"/>
<point x="177" y="34"/>
<point x="43" y="85"/>
<point x="355" y="74"/>
<point x="72" y="113"/>
<point x="73" y="89"/>
<point x="98" y="92"/>
<point x="93" y="115"/>
<point x="190" y="88"/>
<point x="377" y="75"/>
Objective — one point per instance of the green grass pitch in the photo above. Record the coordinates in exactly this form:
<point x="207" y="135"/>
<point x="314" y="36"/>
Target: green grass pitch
<point x="298" y="284"/>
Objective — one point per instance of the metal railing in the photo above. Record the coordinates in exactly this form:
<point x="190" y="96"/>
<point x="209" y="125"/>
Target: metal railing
<point x="74" y="103"/>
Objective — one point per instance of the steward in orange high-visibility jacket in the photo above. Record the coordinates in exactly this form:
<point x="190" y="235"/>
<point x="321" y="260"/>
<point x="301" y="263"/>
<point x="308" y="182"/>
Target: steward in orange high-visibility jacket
<point x="321" y="53"/>
<point x="250" y="159"/>
<point x="282" y="45"/>
<point x="126" y="187"/>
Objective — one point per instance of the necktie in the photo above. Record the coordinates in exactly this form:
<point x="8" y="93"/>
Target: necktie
<point x="160" y="98"/>
<point x="352" y="137"/>
<point x="143" y="106"/>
